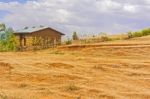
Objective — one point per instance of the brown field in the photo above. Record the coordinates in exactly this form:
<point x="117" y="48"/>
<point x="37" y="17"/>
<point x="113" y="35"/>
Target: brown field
<point x="110" y="70"/>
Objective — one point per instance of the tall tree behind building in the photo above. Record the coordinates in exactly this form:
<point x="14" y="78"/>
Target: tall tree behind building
<point x="75" y="36"/>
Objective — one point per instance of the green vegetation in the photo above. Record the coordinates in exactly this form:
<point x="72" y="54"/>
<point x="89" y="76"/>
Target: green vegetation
<point x="104" y="37"/>
<point x="72" y="87"/>
<point x="141" y="33"/>
<point x="75" y="36"/>
<point x="68" y="42"/>
<point x="2" y="27"/>
<point x="7" y="39"/>
<point x="130" y="35"/>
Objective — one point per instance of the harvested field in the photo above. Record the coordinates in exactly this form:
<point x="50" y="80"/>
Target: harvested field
<point x="116" y="70"/>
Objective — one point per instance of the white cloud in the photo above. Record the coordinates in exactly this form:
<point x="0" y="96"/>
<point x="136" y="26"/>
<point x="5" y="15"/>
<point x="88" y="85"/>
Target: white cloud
<point x="62" y="16"/>
<point x="83" y="15"/>
<point x="106" y="5"/>
<point x="130" y="8"/>
<point x="147" y="1"/>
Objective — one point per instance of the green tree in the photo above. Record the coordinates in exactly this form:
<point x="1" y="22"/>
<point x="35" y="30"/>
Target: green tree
<point x="146" y="32"/>
<point x="75" y="36"/>
<point x="2" y="27"/>
<point x="130" y="35"/>
<point x="7" y="40"/>
<point x="11" y="40"/>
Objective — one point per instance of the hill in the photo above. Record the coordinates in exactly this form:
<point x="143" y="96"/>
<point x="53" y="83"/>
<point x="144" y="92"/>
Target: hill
<point x="108" y="70"/>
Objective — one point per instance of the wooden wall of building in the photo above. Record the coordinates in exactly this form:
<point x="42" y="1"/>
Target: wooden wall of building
<point x="44" y="38"/>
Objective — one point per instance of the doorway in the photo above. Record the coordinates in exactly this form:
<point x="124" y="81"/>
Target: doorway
<point x="22" y="40"/>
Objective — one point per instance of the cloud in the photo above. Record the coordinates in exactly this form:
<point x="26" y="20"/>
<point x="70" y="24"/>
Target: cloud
<point x="62" y="16"/>
<point x="106" y="5"/>
<point x="130" y="8"/>
<point x="91" y="16"/>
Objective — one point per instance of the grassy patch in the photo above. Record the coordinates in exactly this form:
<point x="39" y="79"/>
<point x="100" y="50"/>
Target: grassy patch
<point x="72" y="87"/>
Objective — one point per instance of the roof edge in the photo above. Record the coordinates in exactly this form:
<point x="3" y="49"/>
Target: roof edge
<point x="40" y="30"/>
<point x="55" y="30"/>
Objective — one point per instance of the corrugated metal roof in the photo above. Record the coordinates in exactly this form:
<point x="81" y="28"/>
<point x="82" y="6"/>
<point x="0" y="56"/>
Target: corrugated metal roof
<point x="34" y="29"/>
<point x="30" y="30"/>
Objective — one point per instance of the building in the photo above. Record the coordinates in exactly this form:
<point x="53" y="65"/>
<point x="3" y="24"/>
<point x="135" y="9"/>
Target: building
<point x="38" y="36"/>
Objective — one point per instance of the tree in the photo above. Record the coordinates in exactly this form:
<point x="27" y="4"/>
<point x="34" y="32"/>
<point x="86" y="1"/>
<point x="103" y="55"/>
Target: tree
<point x="2" y="27"/>
<point x="130" y="35"/>
<point x="7" y="40"/>
<point x="75" y="36"/>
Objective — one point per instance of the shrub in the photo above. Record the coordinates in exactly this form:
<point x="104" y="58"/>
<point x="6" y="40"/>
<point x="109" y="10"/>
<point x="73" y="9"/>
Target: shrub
<point x="72" y="87"/>
<point x="104" y="37"/>
<point x="141" y="33"/>
<point x="8" y="41"/>
<point x="137" y="34"/>
<point x="68" y="42"/>
<point x="146" y="32"/>
<point x="130" y="35"/>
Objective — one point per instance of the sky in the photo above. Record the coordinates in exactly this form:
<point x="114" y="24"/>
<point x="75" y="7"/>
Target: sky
<point x="82" y="16"/>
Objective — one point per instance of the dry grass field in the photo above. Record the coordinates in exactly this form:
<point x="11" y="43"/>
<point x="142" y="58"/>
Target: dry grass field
<point x="110" y="70"/>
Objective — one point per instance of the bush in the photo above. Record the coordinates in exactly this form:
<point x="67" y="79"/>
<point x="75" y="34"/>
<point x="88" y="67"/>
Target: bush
<point x="146" y="32"/>
<point x="130" y="35"/>
<point x="137" y="34"/>
<point x="68" y="42"/>
<point x="72" y="87"/>
<point x="104" y="37"/>
<point x="141" y="33"/>
<point x="8" y="42"/>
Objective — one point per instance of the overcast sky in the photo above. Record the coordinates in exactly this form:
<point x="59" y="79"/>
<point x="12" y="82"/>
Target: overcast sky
<point x="83" y="16"/>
